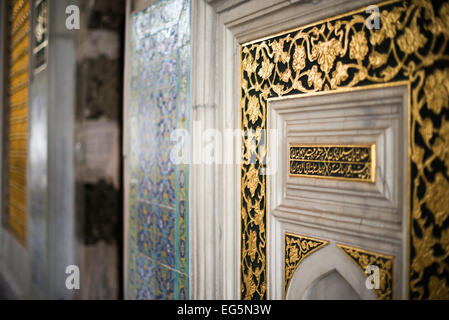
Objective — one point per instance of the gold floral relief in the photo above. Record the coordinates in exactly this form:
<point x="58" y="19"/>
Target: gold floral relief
<point x="342" y="54"/>
<point x="297" y="248"/>
<point x="363" y="259"/>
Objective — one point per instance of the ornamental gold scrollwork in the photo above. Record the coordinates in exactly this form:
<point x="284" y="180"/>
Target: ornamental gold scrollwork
<point x="297" y="248"/>
<point x="343" y="54"/>
<point x="341" y="162"/>
<point x="363" y="259"/>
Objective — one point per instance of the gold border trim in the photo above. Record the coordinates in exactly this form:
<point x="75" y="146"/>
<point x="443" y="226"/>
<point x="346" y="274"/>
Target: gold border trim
<point x="414" y="80"/>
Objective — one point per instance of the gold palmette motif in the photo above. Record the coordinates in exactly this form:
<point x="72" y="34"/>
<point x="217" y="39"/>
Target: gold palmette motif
<point x="341" y="162"/>
<point x="363" y="259"/>
<point x="297" y="248"/>
<point x="344" y="54"/>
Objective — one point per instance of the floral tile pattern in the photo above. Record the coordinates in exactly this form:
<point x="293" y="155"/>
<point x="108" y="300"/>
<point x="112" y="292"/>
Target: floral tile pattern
<point x="158" y="105"/>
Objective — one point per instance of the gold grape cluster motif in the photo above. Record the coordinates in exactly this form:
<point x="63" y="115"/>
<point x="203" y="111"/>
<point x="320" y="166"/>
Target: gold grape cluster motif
<point x="341" y="54"/>
<point x="346" y="162"/>
<point x="296" y="249"/>
<point x="363" y="259"/>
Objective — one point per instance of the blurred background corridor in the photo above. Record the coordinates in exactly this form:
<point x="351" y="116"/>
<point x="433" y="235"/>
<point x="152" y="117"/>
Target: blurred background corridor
<point x="62" y="119"/>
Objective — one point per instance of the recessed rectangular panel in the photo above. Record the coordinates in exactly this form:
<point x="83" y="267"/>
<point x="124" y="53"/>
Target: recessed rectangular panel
<point x="330" y="161"/>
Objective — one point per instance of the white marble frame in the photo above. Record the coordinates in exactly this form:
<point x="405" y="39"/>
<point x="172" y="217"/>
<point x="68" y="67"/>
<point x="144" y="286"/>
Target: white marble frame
<point x="368" y="226"/>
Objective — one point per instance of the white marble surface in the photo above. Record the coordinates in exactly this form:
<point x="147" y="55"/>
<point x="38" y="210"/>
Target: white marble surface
<point x="370" y="216"/>
<point x="331" y="286"/>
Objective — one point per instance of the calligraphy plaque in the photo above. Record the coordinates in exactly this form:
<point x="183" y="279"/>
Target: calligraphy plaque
<point x="343" y="162"/>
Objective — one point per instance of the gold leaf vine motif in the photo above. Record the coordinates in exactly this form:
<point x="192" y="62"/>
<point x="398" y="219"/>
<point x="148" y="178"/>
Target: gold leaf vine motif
<point x="341" y="54"/>
<point x="363" y="259"/>
<point x="297" y="248"/>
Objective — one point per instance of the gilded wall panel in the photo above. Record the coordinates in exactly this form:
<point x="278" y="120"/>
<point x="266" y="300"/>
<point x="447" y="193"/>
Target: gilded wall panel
<point x="342" y="54"/>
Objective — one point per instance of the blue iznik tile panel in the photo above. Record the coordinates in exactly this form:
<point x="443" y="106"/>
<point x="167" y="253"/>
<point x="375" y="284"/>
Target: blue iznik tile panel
<point x="158" y="104"/>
